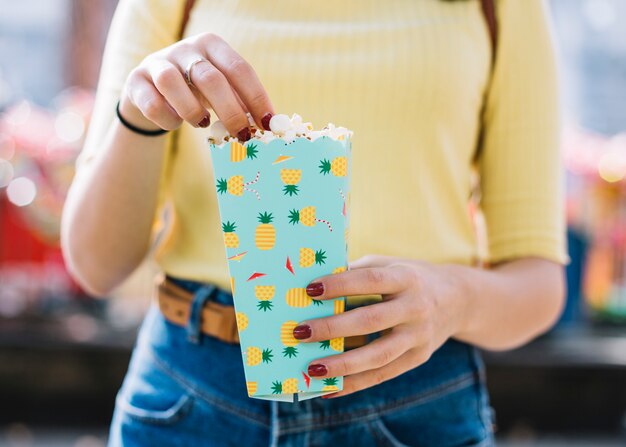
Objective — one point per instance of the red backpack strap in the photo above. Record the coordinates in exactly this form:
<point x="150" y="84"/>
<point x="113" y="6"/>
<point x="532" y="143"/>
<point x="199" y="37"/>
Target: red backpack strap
<point x="186" y="12"/>
<point x="489" y="11"/>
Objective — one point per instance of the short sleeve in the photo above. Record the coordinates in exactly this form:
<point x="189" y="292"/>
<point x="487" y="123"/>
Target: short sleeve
<point x="520" y="168"/>
<point x="138" y="28"/>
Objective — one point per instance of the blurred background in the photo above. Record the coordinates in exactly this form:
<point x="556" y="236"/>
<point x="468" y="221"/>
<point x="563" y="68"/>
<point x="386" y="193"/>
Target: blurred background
<point x="63" y="354"/>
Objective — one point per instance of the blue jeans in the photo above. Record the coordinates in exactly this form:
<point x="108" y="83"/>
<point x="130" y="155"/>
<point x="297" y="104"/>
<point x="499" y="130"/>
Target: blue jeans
<point x="184" y="388"/>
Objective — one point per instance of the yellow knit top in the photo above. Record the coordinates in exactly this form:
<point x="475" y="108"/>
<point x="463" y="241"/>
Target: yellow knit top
<point x="409" y="77"/>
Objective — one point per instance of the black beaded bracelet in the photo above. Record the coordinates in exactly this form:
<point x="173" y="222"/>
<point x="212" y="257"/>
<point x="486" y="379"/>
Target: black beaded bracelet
<point x="129" y="126"/>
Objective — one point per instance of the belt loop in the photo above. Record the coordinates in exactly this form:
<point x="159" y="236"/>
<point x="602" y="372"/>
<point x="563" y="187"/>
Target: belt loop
<point x="194" y="325"/>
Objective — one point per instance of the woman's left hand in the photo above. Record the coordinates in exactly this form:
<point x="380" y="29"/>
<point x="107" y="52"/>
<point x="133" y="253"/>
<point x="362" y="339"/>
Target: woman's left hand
<point x="423" y="304"/>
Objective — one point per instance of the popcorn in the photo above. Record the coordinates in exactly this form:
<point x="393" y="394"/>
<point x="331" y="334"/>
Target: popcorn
<point x="281" y="127"/>
<point x="217" y="132"/>
<point x="280" y="123"/>
<point x="250" y="119"/>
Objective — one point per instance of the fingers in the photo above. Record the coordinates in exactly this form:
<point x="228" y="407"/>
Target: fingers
<point x="371" y="261"/>
<point x="367" y="379"/>
<point x="359" y="321"/>
<point x="362" y="281"/>
<point x="214" y="86"/>
<point x="145" y="96"/>
<point x="169" y="81"/>
<point x="241" y="76"/>
<point x="376" y="354"/>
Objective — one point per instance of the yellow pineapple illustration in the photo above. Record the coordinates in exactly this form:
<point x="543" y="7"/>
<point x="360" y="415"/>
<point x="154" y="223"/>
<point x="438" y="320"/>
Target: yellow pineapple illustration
<point x="232" y="285"/>
<point x="308" y="257"/>
<point x="238" y="151"/>
<point x="235" y="185"/>
<point x="287" y="339"/>
<point x="231" y="240"/>
<point x="306" y="216"/>
<point x="252" y="387"/>
<point x="339" y="269"/>
<point x="335" y="343"/>
<point x="242" y="321"/>
<point x="290" y="177"/>
<point x="288" y="386"/>
<point x="265" y="236"/>
<point x="339" y="306"/>
<point x="338" y="166"/>
<point x="254" y="356"/>
<point x="297" y="297"/>
<point x="330" y="384"/>
<point x="264" y="294"/>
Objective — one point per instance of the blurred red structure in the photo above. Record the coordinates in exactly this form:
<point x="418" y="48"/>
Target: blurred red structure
<point x="38" y="148"/>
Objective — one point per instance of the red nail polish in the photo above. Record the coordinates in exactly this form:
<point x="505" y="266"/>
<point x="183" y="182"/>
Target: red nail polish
<point x="317" y="370"/>
<point x="302" y="331"/>
<point x="244" y="134"/>
<point x="265" y="121"/>
<point x="205" y="121"/>
<point x="315" y="289"/>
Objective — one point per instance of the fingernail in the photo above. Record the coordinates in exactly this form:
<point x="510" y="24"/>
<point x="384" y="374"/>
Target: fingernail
<point x="244" y="134"/>
<point x="265" y="121"/>
<point x="301" y="332"/>
<point x="205" y="121"/>
<point x="315" y="289"/>
<point x="317" y="370"/>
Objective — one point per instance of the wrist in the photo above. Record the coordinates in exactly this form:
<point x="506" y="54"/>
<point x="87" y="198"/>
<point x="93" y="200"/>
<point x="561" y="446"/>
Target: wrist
<point x="134" y="116"/>
<point x="462" y="298"/>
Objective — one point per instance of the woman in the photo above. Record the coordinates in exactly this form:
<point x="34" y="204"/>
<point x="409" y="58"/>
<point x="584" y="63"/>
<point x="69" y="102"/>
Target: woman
<point x="410" y="78"/>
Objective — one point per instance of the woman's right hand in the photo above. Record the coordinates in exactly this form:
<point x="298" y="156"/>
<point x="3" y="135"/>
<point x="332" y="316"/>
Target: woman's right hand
<point x="156" y="94"/>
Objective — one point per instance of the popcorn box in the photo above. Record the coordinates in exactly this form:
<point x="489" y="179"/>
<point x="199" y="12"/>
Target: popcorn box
<point x="284" y="209"/>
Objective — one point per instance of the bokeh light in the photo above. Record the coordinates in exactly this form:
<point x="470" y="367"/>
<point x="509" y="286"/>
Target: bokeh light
<point x="21" y="191"/>
<point x="69" y="126"/>
<point x="6" y="173"/>
<point x="612" y="167"/>
<point x="20" y="114"/>
<point x="7" y="147"/>
<point x="600" y="14"/>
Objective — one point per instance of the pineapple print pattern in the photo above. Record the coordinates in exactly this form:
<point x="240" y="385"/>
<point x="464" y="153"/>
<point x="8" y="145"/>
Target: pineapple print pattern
<point x="242" y="321"/>
<point x="239" y="152"/>
<point x="264" y="294"/>
<point x="335" y="343"/>
<point x="252" y="387"/>
<point x="330" y="384"/>
<point x="288" y="386"/>
<point x="283" y="201"/>
<point x="298" y="297"/>
<point x="306" y="216"/>
<point x="255" y="356"/>
<point x="291" y="178"/>
<point x="308" y="257"/>
<point x="287" y="338"/>
<point x="231" y="240"/>
<point x="236" y="186"/>
<point x="265" y="233"/>
<point x="339" y="166"/>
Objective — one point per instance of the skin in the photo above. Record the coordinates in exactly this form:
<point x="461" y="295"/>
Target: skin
<point x="426" y="304"/>
<point x="99" y="245"/>
<point x="423" y="303"/>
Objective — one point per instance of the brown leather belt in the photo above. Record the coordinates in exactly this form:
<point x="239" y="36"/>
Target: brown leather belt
<point x="217" y="320"/>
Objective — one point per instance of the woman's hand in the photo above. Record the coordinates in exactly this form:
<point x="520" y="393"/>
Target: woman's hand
<point x="421" y="304"/>
<point x="156" y="94"/>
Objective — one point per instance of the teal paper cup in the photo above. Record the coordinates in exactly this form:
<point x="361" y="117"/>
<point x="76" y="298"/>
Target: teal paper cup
<point x="284" y="210"/>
